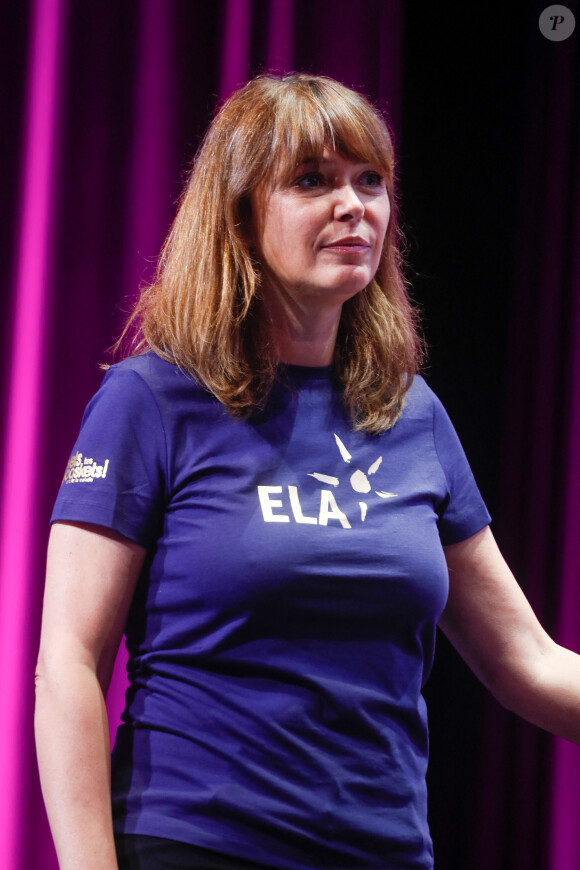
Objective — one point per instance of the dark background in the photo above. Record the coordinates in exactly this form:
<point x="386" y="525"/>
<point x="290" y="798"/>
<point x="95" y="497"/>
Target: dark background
<point x="460" y="154"/>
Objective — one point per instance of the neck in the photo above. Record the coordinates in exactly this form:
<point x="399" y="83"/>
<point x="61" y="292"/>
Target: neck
<point x="302" y="337"/>
<point x="305" y="348"/>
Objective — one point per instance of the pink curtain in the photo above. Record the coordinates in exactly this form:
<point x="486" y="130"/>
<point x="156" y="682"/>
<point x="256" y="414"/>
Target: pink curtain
<point x="19" y="505"/>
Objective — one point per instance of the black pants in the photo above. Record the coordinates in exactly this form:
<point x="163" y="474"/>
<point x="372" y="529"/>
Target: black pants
<point x="140" y="852"/>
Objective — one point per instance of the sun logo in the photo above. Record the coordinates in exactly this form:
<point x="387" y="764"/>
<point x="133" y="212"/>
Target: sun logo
<point x="359" y="480"/>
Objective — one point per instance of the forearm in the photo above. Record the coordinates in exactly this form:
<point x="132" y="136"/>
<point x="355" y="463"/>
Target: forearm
<point x="550" y="698"/>
<point x="73" y="749"/>
<point x="492" y="625"/>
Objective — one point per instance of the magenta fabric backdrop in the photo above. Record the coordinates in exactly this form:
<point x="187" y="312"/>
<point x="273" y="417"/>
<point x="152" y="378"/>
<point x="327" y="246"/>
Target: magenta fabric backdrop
<point x="105" y="107"/>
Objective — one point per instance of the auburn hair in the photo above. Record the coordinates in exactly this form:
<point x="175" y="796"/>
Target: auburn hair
<point x="202" y="310"/>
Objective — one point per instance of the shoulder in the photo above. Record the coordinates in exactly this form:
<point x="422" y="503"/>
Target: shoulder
<point x="420" y="401"/>
<point x="419" y="390"/>
<point x="133" y="393"/>
<point x="149" y="386"/>
<point x="149" y="375"/>
<point x="425" y="412"/>
<point x="150" y="367"/>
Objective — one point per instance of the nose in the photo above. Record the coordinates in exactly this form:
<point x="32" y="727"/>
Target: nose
<point x="348" y="206"/>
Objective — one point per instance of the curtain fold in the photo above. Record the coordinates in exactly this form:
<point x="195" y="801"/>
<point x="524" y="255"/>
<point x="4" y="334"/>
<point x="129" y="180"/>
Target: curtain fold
<point x="236" y="45"/>
<point x="23" y="434"/>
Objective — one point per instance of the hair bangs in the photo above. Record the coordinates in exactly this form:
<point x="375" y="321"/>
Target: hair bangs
<point x="320" y="114"/>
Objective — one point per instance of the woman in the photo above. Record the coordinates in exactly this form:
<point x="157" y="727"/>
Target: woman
<point x="276" y="511"/>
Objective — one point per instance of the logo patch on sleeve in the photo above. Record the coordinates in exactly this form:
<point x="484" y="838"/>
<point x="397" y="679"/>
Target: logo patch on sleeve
<point x="84" y="469"/>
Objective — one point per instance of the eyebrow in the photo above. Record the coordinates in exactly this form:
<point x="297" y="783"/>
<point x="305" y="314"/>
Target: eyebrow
<point x="310" y="161"/>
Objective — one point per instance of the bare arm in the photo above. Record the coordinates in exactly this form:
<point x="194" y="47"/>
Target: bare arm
<point x="91" y="576"/>
<point x="490" y="622"/>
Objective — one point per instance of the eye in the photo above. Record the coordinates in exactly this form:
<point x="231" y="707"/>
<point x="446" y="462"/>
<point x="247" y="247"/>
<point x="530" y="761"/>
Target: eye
<point x="371" y="178"/>
<point x="310" y="181"/>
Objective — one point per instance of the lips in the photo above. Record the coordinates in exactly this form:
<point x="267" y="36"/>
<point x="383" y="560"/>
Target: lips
<point x="348" y="244"/>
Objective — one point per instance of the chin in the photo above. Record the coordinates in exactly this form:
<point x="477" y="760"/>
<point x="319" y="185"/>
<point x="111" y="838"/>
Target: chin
<point x="354" y="283"/>
<point x="350" y="289"/>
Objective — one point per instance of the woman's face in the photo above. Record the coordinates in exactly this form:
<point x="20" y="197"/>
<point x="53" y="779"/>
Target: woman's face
<point x="320" y="235"/>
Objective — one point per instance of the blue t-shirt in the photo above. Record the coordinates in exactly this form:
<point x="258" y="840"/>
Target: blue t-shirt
<point x="284" y="623"/>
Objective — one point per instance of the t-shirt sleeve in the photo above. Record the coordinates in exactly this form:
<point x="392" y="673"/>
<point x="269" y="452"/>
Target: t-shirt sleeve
<point x="116" y="475"/>
<point x="463" y="511"/>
